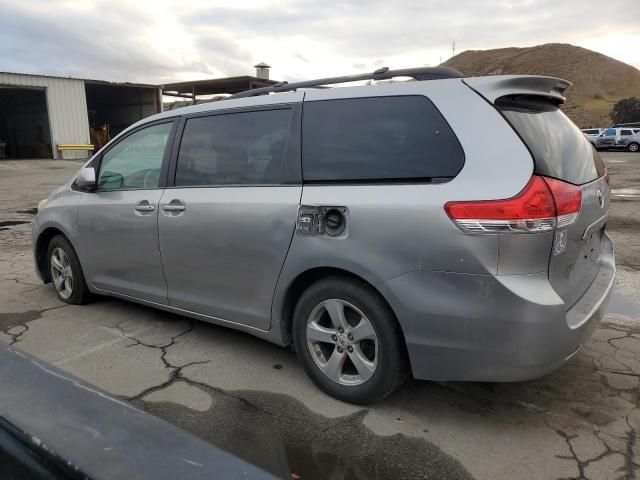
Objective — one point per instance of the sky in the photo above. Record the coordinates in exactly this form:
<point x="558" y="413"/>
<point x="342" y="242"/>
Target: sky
<point x="158" y="41"/>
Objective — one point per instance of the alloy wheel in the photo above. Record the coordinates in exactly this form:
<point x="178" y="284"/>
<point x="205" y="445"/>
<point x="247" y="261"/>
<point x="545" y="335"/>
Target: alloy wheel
<point x="342" y="342"/>
<point x="61" y="273"/>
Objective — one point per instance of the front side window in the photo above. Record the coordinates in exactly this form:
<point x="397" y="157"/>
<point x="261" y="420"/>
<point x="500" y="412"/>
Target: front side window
<point x="609" y="132"/>
<point x="378" y="139"/>
<point x="243" y="148"/>
<point x="135" y="162"/>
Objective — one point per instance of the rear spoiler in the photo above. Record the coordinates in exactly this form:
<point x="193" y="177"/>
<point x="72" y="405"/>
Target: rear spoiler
<point x="496" y="86"/>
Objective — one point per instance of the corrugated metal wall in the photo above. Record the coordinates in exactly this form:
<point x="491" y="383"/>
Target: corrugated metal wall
<point x="67" y="105"/>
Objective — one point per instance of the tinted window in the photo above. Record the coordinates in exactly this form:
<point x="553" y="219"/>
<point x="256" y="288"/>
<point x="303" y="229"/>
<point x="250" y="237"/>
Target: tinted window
<point x="383" y="138"/>
<point x="559" y="149"/>
<point x="626" y="132"/>
<point x="235" y="149"/>
<point x="135" y="161"/>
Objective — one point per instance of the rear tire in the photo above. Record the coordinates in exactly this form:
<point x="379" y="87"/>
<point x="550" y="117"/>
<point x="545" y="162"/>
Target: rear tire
<point x="349" y="341"/>
<point x="66" y="273"/>
<point x="633" y="147"/>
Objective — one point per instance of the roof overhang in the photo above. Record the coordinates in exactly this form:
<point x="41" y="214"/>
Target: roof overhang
<point x="215" y="86"/>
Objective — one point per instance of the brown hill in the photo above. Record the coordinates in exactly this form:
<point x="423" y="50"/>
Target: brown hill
<point x="598" y="81"/>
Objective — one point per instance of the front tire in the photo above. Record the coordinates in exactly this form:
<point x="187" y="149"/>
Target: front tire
<point x="349" y="341"/>
<point x="633" y="147"/>
<point x="66" y="273"/>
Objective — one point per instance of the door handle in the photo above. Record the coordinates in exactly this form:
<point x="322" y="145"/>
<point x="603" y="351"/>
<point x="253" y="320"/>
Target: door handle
<point x="173" y="208"/>
<point x="144" y="206"/>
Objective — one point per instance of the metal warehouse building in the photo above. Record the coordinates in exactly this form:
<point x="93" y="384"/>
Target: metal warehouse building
<point x="58" y="117"/>
<point x="39" y="114"/>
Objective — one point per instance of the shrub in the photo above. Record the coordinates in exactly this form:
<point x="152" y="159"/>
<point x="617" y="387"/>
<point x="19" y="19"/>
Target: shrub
<point x="626" y="110"/>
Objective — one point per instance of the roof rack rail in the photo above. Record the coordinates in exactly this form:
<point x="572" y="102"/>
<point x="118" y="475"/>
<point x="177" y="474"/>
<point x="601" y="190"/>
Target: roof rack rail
<point x="424" y="73"/>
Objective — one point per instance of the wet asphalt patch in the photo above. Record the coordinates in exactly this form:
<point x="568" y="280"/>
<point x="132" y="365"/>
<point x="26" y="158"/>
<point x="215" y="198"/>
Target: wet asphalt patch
<point x="11" y="223"/>
<point x="279" y="434"/>
<point x="28" y="211"/>
<point x="620" y="304"/>
<point x="10" y="320"/>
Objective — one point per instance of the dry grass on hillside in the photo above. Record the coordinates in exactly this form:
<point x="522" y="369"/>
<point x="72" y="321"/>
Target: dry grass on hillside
<point x="598" y="81"/>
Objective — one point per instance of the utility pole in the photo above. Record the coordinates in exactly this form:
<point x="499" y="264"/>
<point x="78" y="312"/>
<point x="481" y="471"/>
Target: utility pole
<point x="453" y="49"/>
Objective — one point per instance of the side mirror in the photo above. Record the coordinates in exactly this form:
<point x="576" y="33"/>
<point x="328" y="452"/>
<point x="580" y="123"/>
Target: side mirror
<point x="87" y="179"/>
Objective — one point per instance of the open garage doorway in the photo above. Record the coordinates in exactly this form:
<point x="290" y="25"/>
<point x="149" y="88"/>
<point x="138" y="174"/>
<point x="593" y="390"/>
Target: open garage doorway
<point x="113" y="107"/>
<point x="24" y="123"/>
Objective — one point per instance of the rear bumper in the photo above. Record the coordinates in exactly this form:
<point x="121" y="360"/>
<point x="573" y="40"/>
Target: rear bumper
<point x="494" y="328"/>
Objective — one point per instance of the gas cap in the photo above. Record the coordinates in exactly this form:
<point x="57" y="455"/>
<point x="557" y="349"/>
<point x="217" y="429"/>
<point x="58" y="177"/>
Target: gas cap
<point x="334" y="222"/>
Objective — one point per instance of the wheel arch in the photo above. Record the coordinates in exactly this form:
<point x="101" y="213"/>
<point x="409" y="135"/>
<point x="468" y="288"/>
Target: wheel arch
<point x="41" y="247"/>
<point x="283" y="311"/>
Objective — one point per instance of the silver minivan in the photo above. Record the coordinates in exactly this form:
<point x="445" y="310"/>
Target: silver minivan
<point x="379" y="230"/>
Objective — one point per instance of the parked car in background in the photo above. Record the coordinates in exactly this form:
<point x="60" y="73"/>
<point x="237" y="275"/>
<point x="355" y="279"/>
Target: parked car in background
<point x="592" y="134"/>
<point x="384" y="245"/>
<point x="619" y="138"/>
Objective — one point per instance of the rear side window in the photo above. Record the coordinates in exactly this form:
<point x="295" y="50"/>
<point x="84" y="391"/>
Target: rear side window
<point x="244" y="148"/>
<point x="559" y="148"/>
<point x="626" y="132"/>
<point x="377" y="139"/>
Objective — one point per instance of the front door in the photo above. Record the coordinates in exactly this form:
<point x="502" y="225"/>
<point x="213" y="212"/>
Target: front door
<point x="118" y="223"/>
<point x="227" y="223"/>
<point x="607" y="138"/>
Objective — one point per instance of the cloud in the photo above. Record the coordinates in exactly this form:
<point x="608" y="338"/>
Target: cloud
<point x="155" y="42"/>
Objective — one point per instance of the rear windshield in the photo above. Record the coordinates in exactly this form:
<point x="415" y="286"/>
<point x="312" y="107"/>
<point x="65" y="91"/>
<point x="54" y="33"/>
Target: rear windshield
<point x="559" y="148"/>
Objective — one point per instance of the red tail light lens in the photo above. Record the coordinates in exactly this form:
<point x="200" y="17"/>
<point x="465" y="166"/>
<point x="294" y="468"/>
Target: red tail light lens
<point x="541" y="206"/>
<point x="568" y="199"/>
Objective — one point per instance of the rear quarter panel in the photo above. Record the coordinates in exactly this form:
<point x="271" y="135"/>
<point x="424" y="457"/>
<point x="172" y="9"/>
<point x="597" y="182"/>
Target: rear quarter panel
<point x="398" y="228"/>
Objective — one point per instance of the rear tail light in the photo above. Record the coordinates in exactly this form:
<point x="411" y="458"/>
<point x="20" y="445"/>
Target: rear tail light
<point x="542" y="205"/>
<point x="567" y="199"/>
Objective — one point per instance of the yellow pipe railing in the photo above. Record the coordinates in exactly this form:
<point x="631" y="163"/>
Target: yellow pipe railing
<point x="65" y="146"/>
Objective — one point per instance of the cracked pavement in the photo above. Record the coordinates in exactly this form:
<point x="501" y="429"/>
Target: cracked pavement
<point x="253" y="398"/>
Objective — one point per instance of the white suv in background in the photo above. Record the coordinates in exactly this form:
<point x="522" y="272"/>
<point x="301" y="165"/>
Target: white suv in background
<point x="627" y="138"/>
<point x="592" y="134"/>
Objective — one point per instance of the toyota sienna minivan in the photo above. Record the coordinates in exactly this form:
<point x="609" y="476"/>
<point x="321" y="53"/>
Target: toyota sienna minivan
<point x="444" y="228"/>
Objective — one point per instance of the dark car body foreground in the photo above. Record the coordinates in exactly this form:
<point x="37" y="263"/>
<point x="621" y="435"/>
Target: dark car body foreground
<point x="55" y="426"/>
